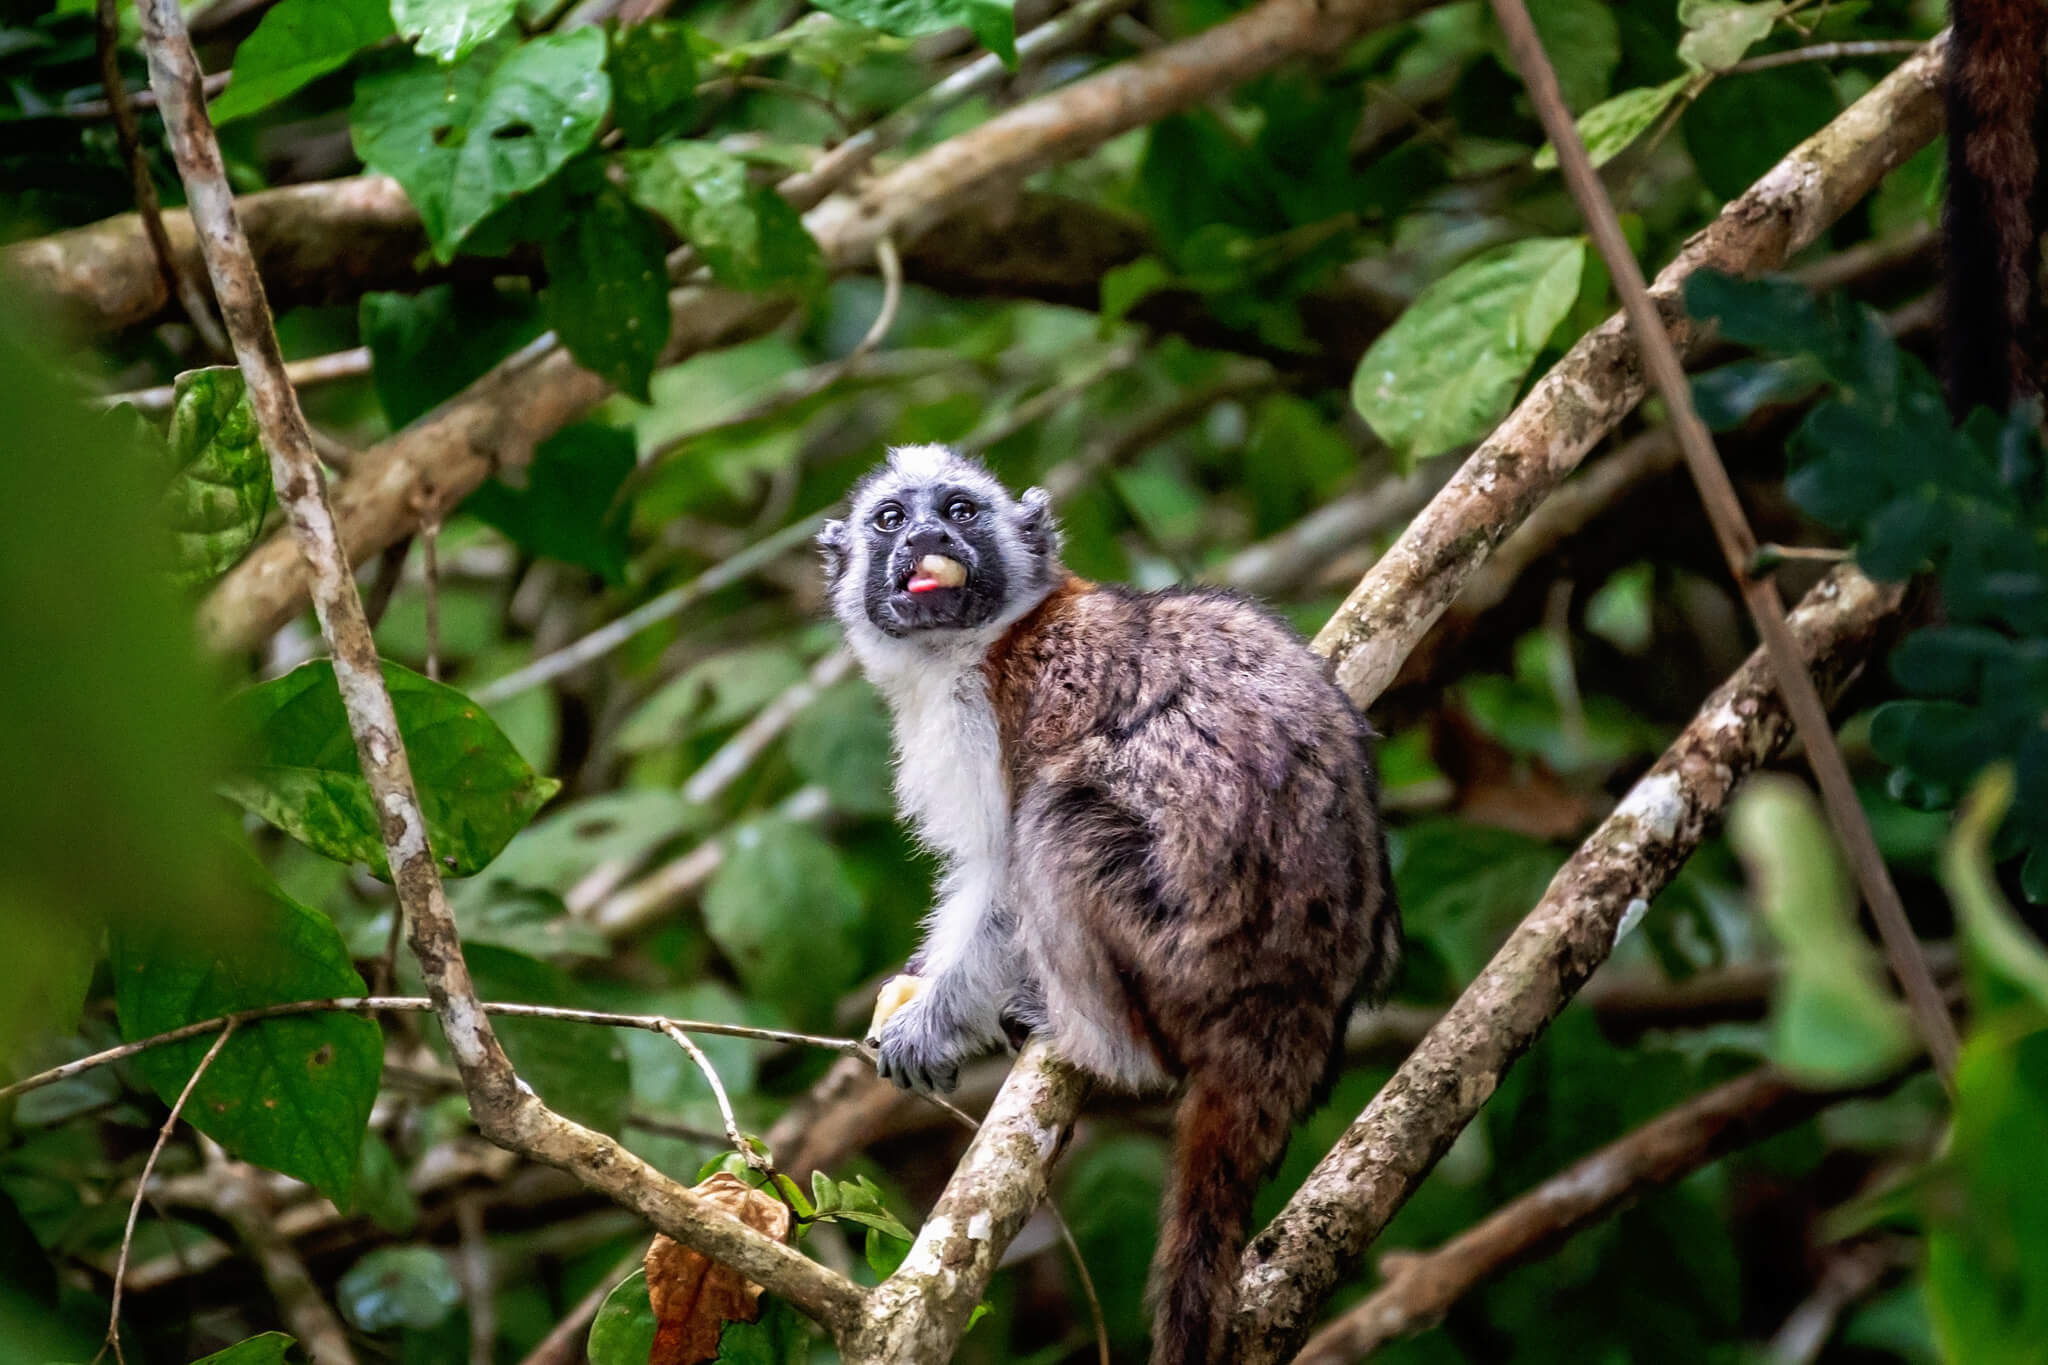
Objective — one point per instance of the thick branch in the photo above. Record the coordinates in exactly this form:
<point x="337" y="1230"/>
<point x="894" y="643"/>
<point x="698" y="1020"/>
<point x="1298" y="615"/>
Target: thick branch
<point x="1600" y="379"/>
<point x="1595" y="898"/>
<point x="1671" y="1146"/>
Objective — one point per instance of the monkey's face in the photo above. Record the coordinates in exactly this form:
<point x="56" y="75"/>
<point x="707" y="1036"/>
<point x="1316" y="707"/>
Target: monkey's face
<point x="934" y="544"/>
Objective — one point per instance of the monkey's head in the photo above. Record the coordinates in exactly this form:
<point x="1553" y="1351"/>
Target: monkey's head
<point x="933" y="546"/>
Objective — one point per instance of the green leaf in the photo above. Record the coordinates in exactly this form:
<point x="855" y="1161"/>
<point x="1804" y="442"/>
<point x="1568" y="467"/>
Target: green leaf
<point x="861" y="1202"/>
<point x="220" y="481"/>
<point x="1833" y="1020"/>
<point x="463" y="140"/>
<point x="720" y="691"/>
<point x="449" y="30"/>
<point x="2001" y="948"/>
<point x="622" y="1333"/>
<point x="267" y="1349"/>
<point x="429" y="346"/>
<point x="654" y="80"/>
<point x="290" y="1094"/>
<point x="777" y="1337"/>
<point x="569" y="509"/>
<point x="1448" y="368"/>
<point x="1719" y="32"/>
<point x="885" y="1254"/>
<point x="608" y="290"/>
<point x="1124" y="287"/>
<point x="824" y="1192"/>
<point x="783" y="911"/>
<point x="841" y="742"/>
<point x="301" y="772"/>
<point x="748" y="234"/>
<point x="992" y="21"/>
<point x="392" y="1287"/>
<point x="298" y="42"/>
<point x="1611" y="125"/>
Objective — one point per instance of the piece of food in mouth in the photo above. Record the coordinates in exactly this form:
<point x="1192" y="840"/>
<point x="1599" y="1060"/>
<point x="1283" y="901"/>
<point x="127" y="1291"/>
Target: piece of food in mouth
<point x="936" y="571"/>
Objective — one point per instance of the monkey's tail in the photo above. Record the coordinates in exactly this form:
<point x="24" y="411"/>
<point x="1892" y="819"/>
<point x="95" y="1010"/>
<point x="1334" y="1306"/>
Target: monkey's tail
<point x="1226" y="1137"/>
<point x="1991" y="257"/>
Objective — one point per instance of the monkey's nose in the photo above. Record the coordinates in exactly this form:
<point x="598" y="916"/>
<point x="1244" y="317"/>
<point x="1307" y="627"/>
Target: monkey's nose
<point x="931" y="538"/>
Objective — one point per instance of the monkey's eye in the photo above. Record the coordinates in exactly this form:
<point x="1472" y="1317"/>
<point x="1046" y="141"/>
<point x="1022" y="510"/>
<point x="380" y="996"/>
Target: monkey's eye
<point x="961" y="510"/>
<point x="888" y="517"/>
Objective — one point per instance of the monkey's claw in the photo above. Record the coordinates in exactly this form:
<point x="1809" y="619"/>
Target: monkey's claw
<point x="918" y="1052"/>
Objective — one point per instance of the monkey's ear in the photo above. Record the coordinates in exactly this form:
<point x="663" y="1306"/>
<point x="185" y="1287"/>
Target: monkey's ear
<point x="1035" y="524"/>
<point x="832" y="545"/>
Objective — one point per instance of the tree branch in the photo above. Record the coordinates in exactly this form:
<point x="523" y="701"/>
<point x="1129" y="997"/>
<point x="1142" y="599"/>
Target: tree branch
<point x="1600" y="379"/>
<point x="1597" y="896"/>
<point x="1671" y="1146"/>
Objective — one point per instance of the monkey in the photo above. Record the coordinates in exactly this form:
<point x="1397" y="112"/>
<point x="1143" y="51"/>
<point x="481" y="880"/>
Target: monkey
<point x="1992" y="216"/>
<point x="1158" y="828"/>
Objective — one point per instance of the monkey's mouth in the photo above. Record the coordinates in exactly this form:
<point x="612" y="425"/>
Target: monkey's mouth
<point x="935" y="572"/>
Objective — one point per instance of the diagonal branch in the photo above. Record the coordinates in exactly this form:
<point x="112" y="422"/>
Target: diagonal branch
<point x="1702" y="1130"/>
<point x="1738" y="544"/>
<point x="505" y="1110"/>
<point x="1595" y="898"/>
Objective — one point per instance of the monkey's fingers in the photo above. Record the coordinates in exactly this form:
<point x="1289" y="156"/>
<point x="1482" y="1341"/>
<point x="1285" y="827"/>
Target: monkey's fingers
<point x="896" y="992"/>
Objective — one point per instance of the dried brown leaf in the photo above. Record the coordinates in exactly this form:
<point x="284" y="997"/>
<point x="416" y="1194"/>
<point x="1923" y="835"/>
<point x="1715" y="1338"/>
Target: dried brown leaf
<point x="694" y="1297"/>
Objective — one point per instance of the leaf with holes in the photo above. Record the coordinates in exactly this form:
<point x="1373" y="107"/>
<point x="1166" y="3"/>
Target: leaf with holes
<point x="290" y="1094"/>
<point x="608" y="290"/>
<point x="298" y="42"/>
<point x="300" y="772"/>
<point x="220" y="484"/>
<point x="1448" y="368"/>
<point x="747" y="233"/>
<point x="449" y="30"/>
<point x="465" y="139"/>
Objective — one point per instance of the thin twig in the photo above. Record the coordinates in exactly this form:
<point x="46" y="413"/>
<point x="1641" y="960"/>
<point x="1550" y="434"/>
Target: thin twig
<point x="163" y="1135"/>
<point x="733" y="1134"/>
<point x="1827" y="52"/>
<point x="93" y="111"/>
<point x="1738" y="543"/>
<point x="320" y="369"/>
<point x="479" y="1291"/>
<point x="749" y="81"/>
<point x="655" y="610"/>
<point x="418" y="1004"/>
<point x="107" y="37"/>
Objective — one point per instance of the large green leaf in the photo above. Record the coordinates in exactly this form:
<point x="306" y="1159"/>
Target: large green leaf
<point x="465" y="139"/>
<point x="1448" y="368"/>
<point x="220" y="481"/>
<point x="654" y="79"/>
<point x="300" y="770"/>
<point x="783" y="911"/>
<point x="747" y="233"/>
<point x="569" y="509"/>
<point x="291" y="1094"/>
<point x="298" y="41"/>
<point x="608" y="290"/>
<point x="449" y="30"/>
<point x="267" y="1349"/>
<point x="1833" y="1022"/>
<point x="1611" y="125"/>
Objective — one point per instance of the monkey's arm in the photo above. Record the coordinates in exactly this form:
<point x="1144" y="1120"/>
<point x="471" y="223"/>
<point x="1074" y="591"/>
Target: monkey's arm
<point x="965" y="972"/>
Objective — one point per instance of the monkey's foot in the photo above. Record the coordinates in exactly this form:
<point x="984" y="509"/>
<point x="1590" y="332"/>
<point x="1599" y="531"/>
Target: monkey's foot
<point x="923" y="1048"/>
<point x="896" y="992"/>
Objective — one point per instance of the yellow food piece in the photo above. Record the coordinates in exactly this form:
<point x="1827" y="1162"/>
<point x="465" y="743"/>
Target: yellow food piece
<point x="896" y="992"/>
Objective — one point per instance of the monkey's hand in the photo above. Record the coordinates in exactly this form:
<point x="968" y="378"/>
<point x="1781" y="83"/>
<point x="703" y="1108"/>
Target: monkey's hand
<point x="922" y="1046"/>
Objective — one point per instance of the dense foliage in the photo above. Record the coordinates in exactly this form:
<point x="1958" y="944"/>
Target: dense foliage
<point x="1301" y="298"/>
